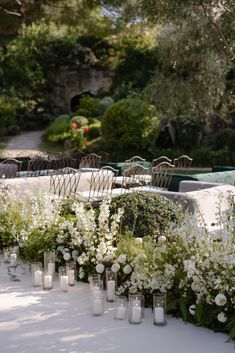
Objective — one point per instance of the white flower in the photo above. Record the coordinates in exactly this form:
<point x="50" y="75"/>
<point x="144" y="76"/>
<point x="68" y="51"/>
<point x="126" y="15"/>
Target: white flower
<point x="66" y="256"/>
<point x="115" y="267"/>
<point x="127" y="269"/>
<point x="222" y="317"/>
<point x="220" y="299"/>
<point x="161" y="239"/>
<point x="122" y="258"/>
<point x="191" y="309"/>
<point x="99" y="268"/>
<point x="140" y="240"/>
<point x="74" y="253"/>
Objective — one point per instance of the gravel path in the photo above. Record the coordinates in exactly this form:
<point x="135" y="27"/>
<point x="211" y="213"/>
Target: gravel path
<point x="25" y="142"/>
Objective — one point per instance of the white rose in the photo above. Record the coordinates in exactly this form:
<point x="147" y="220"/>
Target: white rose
<point x="66" y="256"/>
<point x="115" y="267"/>
<point x="222" y="317"/>
<point x="191" y="309"/>
<point x="122" y="258"/>
<point x="74" y="253"/>
<point x="127" y="269"/>
<point x="161" y="239"/>
<point x="65" y="250"/>
<point x="220" y="299"/>
<point x="99" y="268"/>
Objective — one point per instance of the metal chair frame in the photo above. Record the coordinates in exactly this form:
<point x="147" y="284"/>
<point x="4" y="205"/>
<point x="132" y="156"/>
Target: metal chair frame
<point x="182" y="163"/>
<point x="92" y="160"/>
<point x="162" y="175"/>
<point x="64" y="182"/>
<point x="161" y="159"/>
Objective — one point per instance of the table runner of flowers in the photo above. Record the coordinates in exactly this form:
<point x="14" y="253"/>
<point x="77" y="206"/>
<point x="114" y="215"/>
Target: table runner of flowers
<point x="195" y="268"/>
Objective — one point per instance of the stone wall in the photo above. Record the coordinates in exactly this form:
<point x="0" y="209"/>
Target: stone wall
<point x="67" y="84"/>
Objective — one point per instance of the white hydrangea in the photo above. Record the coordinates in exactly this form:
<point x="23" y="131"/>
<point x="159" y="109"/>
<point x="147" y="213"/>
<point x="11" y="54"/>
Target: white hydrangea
<point x="99" y="268"/>
<point x="222" y="317"/>
<point x="66" y="256"/>
<point x="220" y="299"/>
<point x="127" y="269"/>
<point x="122" y="258"/>
<point x="115" y="267"/>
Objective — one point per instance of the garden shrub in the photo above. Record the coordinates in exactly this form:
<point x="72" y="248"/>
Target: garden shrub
<point x="147" y="213"/>
<point x="129" y="124"/>
<point x="58" y="130"/>
<point x="7" y="112"/>
<point x="105" y="103"/>
<point x="88" y="106"/>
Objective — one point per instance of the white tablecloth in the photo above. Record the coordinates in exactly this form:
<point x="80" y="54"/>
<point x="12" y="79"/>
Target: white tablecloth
<point x="36" y="321"/>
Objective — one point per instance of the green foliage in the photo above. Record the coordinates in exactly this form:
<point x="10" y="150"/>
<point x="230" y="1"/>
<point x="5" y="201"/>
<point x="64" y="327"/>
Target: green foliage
<point x="7" y="112"/>
<point x="147" y="213"/>
<point x="129" y="124"/>
<point x="88" y="106"/>
<point x="58" y="131"/>
<point x="222" y="138"/>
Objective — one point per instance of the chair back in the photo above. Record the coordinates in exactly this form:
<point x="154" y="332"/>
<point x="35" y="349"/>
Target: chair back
<point x="137" y="175"/>
<point x="92" y="160"/>
<point x="101" y="184"/>
<point x="38" y="166"/>
<point x="162" y="175"/>
<point x="182" y="163"/>
<point x="13" y="161"/>
<point x="160" y="159"/>
<point x="135" y="159"/>
<point x="8" y="170"/>
<point x="64" y="182"/>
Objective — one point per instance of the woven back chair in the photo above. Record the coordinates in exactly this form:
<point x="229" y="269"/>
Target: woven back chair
<point x="101" y="183"/>
<point x="162" y="175"/>
<point x="64" y="182"/>
<point x="136" y="176"/>
<point x="39" y="166"/>
<point x="160" y="159"/>
<point x="63" y="162"/>
<point x="182" y="163"/>
<point x="92" y="160"/>
<point x="13" y="161"/>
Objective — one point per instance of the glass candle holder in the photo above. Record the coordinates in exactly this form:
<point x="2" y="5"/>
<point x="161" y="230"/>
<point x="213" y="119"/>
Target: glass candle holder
<point x="111" y="283"/>
<point x="136" y="308"/>
<point x="49" y="262"/>
<point x="63" y="279"/>
<point x="6" y="256"/>
<point x="47" y="280"/>
<point x="159" y="304"/>
<point x="37" y="274"/>
<point x="71" y="272"/>
<point x="97" y="302"/>
<point x="13" y="260"/>
<point x="95" y="282"/>
<point x="121" y="308"/>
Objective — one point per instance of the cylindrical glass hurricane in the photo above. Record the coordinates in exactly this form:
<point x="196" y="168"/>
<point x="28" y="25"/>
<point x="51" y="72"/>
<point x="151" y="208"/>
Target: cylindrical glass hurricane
<point x="71" y="272"/>
<point x="121" y="308"/>
<point x="49" y="262"/>
<point x="63" y="279"/>
<point x="47" y="280"/>
<point x="37" y="274"/>
<point x="97" y="301"/>
<point x="111" y="284"/>
<point x="159" y="305"/>
<point x="136" y="308"/>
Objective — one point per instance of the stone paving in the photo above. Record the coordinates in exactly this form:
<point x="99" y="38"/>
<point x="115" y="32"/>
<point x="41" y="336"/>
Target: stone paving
<point x="25" y="142"/>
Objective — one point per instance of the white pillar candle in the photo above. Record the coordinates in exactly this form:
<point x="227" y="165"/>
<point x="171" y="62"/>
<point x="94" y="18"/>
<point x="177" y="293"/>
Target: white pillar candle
<point x="13" y="260"/>
<point x="71" y="279"/>
<point x="51" y="268"/>
<point x="120" y="312"/>
<point x="136" y="314"/>
<point x="64" y="283"/>
<point x="159" y="315"/>
<point x="97" y="306"/>
<point x="111" y="290"/>
<point x="38" y="278"/>
<point x="48" y="281"/>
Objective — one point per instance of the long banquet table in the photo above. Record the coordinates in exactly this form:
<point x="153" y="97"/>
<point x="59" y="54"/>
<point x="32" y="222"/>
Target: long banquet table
<point x="36" y="321"/>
